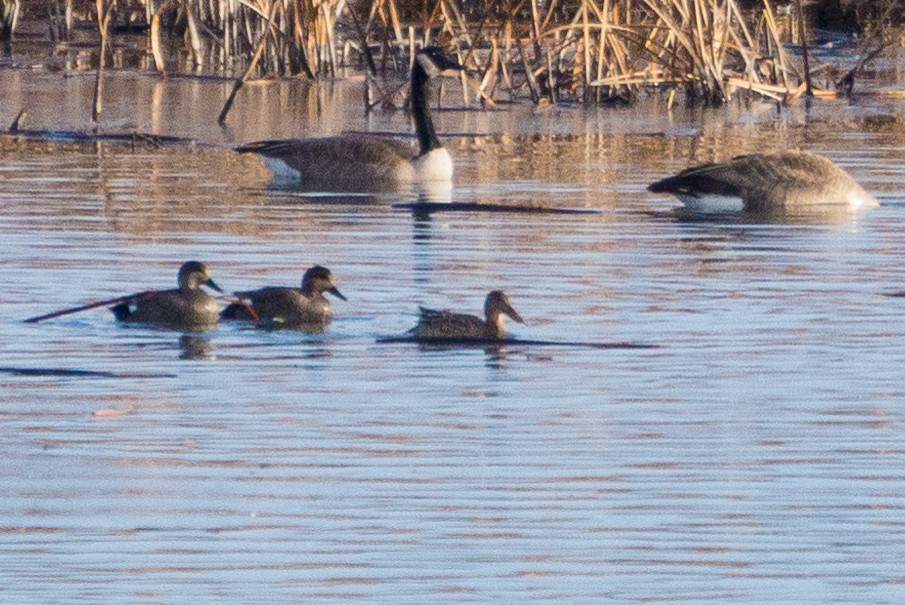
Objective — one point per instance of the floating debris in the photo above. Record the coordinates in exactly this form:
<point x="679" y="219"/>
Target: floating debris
<point x="498" y="342"/>
<point x="429" y="207"/>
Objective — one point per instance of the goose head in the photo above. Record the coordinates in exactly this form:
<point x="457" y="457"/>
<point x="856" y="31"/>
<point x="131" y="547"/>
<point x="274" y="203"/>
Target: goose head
<point x="434" y="61"/>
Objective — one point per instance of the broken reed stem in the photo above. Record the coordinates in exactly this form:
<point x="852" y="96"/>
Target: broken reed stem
<point x="92" y="305"/>
<point x="104" y="13"/>
<point x="808" y="89"/>
<point x="156" y="49"/>
<point x="259" y="50"/>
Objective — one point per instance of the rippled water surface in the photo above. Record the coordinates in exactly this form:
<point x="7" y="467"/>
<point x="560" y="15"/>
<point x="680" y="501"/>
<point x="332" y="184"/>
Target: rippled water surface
<point x="755" y="456"/>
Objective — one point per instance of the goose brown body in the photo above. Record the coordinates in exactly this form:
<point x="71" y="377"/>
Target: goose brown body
<point x="766" y="181"/>
<point x="361" y="162"/>
<point x="321" y="162"/>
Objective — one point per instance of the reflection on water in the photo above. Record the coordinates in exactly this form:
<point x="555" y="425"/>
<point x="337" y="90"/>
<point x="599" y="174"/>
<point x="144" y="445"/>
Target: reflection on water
<point x="193" y="346"/>
<point x="791" y="215"/>
<point x="331" y="192"/>
<point x="756" y="451"/>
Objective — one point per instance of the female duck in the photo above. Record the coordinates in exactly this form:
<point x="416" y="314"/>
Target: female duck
<point x="446" y="324"/>
<point x="277" y="306"/>
<point x="765" y="181"/>
<point x="187" y="307"/>
<point x="364" y="162"/>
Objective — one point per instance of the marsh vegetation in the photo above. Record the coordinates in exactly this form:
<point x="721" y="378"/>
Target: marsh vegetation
<point x="602" y="51"/>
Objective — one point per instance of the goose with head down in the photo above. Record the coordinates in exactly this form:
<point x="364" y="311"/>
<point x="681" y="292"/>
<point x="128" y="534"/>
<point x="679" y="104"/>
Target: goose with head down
<point x="762" y="182"/>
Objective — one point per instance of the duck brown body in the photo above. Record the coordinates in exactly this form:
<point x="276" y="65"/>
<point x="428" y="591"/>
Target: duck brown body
<point x="187" y="307"/>
<point x="434" y="324"/>
<point x="279" y="306"/>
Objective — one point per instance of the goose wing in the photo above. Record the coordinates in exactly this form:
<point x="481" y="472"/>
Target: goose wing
<point x="349" y="158"/>
<point x="730" y="179"/>
<point x="763" y="180"/>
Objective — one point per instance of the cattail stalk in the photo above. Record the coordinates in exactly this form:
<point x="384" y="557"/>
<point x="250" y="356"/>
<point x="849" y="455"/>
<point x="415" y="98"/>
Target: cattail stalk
<point x="104" y="14"/>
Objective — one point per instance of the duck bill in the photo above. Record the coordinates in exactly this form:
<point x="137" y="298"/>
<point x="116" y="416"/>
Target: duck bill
<point x="210" y="283"/>
<point x="513" y="314"/>
<point x="337" y="293"/>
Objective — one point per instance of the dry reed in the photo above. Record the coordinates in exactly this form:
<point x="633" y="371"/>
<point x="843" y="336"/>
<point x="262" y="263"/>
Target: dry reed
<point x="9" y="15"/>
<point x="104" y="15"/>
<point x="588" y="50"/>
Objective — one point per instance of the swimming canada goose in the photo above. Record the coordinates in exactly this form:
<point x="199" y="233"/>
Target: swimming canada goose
<point x="277" y="306"/>
<point x="446" y="324"/>
<point x="186" y="307"/>
<point x="363" y="162"/>
<point x="764" y="181"/>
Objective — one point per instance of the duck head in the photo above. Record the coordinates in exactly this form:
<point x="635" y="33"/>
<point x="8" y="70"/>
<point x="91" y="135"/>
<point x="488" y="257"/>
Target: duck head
<point x="194" y="274"/>
<point x="498" y="303"/>
<point x="319" y="279"/>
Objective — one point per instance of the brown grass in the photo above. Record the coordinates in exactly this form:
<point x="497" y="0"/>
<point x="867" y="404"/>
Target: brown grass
<point x="599" y="51"/>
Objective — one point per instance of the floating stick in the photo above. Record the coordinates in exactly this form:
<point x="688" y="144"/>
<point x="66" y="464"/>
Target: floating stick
<point x="252" y="65"/>
<point x="92" y="305"/>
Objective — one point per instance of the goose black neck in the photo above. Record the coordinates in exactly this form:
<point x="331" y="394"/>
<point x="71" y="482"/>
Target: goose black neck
<point x="424" y="126"/>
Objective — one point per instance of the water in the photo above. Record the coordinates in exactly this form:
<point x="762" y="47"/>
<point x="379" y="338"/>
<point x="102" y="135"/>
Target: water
<point x="755" y="456"/>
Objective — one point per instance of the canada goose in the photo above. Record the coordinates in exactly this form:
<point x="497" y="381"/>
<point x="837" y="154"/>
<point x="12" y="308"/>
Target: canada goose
<point x="363" y="162"/>
<point x="186" y="307"/>
<point x="446" y="324"/>
<point x="277" y="306"/>
<point x="763" y="181"/>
